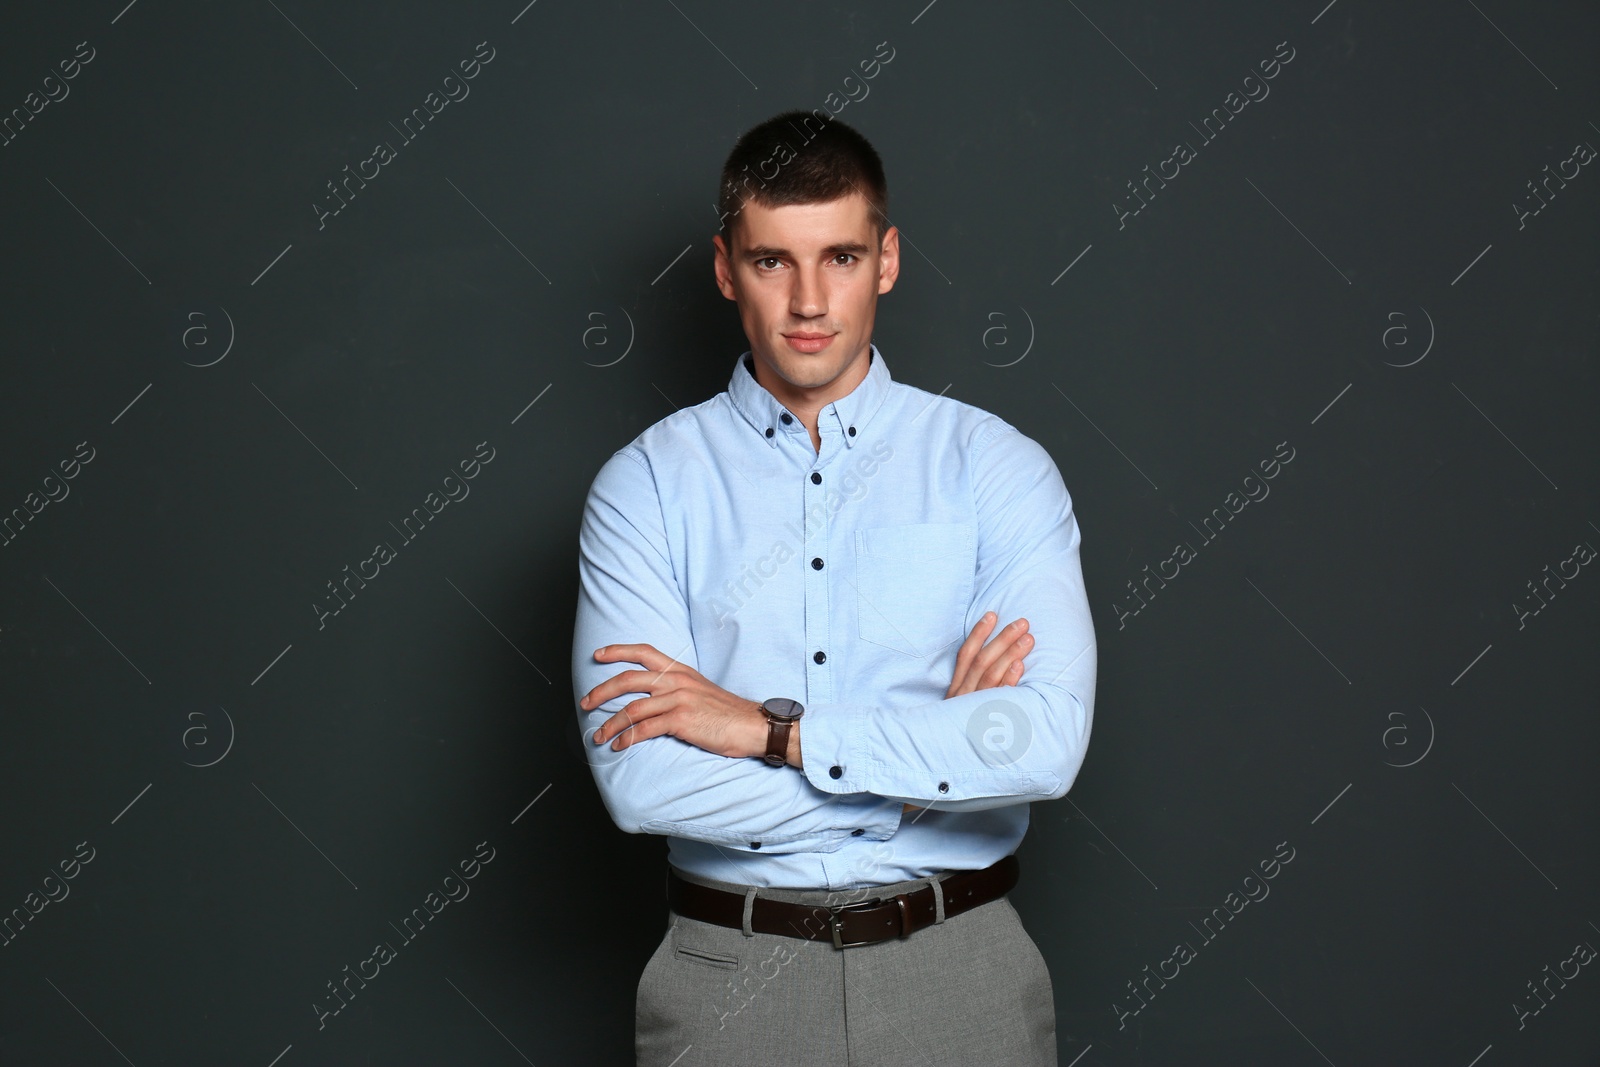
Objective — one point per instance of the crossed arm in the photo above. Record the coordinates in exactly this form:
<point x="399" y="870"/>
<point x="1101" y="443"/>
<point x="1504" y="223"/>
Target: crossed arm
<point x="694" y="779"/>
<point x="685" y="704"/>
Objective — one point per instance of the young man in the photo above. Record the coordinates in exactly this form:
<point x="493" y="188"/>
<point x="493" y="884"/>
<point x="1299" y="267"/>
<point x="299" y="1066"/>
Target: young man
<point x="783" y="576"/>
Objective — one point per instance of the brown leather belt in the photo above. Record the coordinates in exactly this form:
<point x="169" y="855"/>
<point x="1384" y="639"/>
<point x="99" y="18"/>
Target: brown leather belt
<point x="862" y="923"/>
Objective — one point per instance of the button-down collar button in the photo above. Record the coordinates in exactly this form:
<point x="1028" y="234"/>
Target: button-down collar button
<point x="852" y="431"/>
<point x="786" y="418"/>
<point x="836" y="771"/>
<point x="770" y="431"/>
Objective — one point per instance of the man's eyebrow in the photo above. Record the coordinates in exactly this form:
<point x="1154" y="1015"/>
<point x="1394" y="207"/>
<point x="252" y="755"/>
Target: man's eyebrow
<point x="764" y="251"/>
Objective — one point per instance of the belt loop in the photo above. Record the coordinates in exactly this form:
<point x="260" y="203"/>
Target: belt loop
<point x="749" y="905"/>
<point x="937" y="885"/>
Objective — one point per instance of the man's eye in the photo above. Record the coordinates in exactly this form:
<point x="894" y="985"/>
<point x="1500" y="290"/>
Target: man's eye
<point x="844" y="255"/>
<point x="769" y="259"/>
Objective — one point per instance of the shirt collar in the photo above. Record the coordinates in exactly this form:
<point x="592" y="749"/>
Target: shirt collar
<point x="852" y="411"/>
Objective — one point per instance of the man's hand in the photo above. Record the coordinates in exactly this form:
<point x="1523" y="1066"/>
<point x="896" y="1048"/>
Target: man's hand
<point x="682" y="702"/>
<point x="980" y="666"/>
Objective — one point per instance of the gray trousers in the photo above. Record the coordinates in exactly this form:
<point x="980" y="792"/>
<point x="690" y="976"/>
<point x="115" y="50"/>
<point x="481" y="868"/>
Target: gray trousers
<point x="972" y="989"/>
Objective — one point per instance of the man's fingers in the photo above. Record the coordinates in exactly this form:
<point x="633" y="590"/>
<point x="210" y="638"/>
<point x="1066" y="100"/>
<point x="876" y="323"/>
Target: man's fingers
<point x="996" y="673"/>
<point x="632" y="716"/>
<point x="997" y="651"/>
<point x="647" y="656"/>
<point x="629" y="681"/>
<point x="969" y="649"/>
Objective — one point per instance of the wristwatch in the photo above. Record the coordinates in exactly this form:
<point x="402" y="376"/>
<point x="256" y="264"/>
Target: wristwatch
<point x="782" y="714"/>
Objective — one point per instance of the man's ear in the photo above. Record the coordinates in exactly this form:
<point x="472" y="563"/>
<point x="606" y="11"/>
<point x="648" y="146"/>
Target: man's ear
<point x="722" y="267"/>
<point x="889" y="260"/>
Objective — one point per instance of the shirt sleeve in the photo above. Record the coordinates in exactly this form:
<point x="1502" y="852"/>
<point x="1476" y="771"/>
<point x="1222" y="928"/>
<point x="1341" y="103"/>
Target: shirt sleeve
<point x="628" y="594"/>
<point x="1000" y="746"/>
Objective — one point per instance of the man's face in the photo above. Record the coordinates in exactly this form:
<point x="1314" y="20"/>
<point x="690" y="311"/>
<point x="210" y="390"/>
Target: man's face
<point x="807" y="278"/>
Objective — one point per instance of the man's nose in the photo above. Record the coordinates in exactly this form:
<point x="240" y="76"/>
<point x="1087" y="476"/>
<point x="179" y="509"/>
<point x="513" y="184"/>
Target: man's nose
<point x="807" y="299"/>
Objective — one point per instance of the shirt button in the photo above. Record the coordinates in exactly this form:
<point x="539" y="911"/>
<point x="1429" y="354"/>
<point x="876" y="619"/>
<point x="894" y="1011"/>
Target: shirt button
<point x="769" y="431"/>
<point x="857" y="833"/>
<point x="820" y="657"/>
<point x="836" y="771"/>
<point x="786" y="418"/>
<point x="852" y="431"/>
<point x="816" y="479"/>
<point x="816" y="564"/>
<point x="755" y="844"/>
<point x="944" y="787"/>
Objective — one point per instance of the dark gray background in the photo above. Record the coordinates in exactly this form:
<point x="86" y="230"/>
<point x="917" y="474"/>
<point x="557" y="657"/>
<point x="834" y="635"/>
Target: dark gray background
<point x="1360" y="618"/>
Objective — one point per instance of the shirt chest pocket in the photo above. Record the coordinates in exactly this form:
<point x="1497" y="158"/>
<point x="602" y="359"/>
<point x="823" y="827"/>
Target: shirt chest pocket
<point x="914" y="584"/>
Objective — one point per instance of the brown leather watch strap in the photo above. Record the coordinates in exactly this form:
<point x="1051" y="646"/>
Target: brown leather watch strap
<point x="871" y="920"/>
<point x="777" y="742"/>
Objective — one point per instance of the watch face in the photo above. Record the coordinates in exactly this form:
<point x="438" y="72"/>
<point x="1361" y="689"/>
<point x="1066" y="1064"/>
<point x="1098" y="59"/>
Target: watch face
<point x="783" y="708"/>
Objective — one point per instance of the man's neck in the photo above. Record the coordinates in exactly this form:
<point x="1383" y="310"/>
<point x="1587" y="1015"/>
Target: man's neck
<point x="807" y="404"/>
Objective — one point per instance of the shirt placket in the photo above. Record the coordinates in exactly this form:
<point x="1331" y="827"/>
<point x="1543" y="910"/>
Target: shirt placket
<point x="817" y="566"/>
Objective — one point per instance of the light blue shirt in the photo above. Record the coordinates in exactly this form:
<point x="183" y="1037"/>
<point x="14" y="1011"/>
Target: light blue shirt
<point x="846" y="579"/>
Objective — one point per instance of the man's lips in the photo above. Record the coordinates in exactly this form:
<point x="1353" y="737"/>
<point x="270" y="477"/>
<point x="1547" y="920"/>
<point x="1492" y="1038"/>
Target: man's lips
<point x="808" y="342"/>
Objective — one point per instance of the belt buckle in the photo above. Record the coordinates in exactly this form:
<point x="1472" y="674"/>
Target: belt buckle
<point x="836" y="926"/>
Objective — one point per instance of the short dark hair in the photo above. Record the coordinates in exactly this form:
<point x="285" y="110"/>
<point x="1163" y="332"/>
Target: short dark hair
<point x="818" y="158"/>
